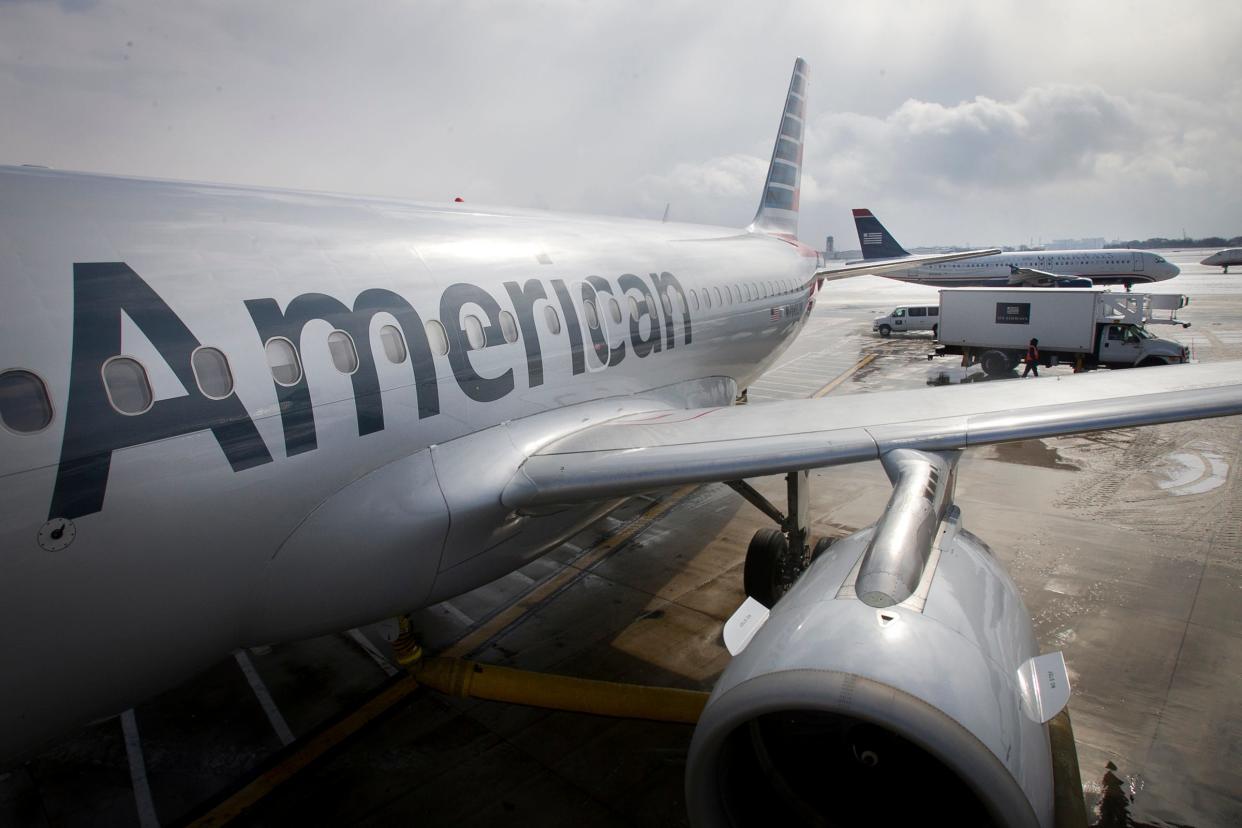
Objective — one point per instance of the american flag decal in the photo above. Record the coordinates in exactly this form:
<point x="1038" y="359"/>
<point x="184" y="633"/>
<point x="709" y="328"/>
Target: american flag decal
<point x="872" y="238"/>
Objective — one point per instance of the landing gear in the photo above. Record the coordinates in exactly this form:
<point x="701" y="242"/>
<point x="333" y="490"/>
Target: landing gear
<point x="770" y="570"/>
<point x="776" y="558"/>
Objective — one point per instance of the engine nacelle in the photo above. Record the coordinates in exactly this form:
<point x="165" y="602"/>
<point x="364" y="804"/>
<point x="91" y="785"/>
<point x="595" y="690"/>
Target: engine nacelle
<point x="840" y="712"/>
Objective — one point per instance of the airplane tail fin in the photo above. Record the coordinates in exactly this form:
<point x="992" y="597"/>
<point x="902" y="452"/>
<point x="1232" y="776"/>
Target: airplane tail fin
<point x="778" y="211"/>
<point x="877" y="243"/>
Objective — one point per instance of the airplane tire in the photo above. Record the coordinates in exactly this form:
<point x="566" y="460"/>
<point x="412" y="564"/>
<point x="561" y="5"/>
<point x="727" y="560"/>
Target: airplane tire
<point x="762" y="577"/>
<point x="820" y="547"/>
<point x="995" y="363"/>
<point x="885" y="330"/>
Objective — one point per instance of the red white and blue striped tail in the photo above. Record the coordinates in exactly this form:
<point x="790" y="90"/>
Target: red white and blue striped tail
<point x="778" y="212"/>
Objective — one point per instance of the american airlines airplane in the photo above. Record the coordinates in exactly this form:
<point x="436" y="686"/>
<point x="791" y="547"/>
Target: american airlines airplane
<point x="1042" y="268"/>
<point x="235" y="416"/>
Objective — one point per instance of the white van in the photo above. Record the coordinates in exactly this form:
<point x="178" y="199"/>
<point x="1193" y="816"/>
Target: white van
<point x="909" y="318"/>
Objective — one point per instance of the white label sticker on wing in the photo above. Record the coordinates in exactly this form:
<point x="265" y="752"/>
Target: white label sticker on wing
<point x="1045" y="687"/>
<point x="743" y="624"/>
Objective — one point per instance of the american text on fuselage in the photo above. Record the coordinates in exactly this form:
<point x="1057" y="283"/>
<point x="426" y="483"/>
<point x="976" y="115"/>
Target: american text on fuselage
<point x="110" y="405"/>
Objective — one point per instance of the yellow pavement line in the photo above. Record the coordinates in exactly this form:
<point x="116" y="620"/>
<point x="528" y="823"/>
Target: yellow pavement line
<point x="308" y="750"/>
<point x="304" y="753"/>
<point x="862" y="363"/>
<point x="543" y="591"/>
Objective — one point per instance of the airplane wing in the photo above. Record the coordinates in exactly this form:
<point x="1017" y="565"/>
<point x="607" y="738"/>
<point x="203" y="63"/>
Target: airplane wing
<point x="1033" y="277"/>
<point x="642" y="452"/>
<point x="845" y="270"/>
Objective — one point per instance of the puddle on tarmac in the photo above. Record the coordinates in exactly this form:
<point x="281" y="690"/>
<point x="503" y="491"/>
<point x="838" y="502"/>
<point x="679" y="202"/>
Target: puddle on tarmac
<point x="1032" y="453"/>
<point x="1116" y="799"/>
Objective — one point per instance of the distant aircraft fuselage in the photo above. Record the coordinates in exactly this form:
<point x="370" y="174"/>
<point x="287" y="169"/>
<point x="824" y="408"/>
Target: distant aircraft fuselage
<point x="1224" y="258"/>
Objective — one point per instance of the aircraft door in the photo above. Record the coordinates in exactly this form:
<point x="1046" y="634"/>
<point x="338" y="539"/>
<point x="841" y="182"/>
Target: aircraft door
<point x="1119" y="345"/>
<point x="1138" y="262"/>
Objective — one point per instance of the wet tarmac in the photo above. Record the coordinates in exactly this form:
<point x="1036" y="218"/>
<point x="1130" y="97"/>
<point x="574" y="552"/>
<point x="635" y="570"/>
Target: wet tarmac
<point x="1126" y="547"/>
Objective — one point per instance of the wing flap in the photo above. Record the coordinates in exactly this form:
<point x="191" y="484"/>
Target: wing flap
<point x="653" y="450"/>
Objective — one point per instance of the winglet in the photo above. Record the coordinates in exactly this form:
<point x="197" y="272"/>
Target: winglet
<point x="876" y="241"/>
<point x="778" y="211"/>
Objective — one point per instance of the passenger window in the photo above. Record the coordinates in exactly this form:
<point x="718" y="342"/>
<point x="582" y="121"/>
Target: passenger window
<point x="474" y="332"/>
<point x="508" y="327"/>
<point x="633" y="308"/>
<point x="614" y="308"/>
<point x="344" y="355"/>
<point x="694" y="299"/>
<point x="668" y="307"/>
<point x="24" y="404"/>
<point x="707" y="298"/>
<point x="592" y="315"/>
<point x="746" y="292"/>
<point x="737" y="294"/>
<point x="436" y="337"/>
<point x="283" y="360"/>
<point x="933" y="311"/>
<point x="553" y="319"/>
<point x="211" y="372"/>
<point x="394" y="343"/>
<point x="918" y="311"/>
<point x="127" y="385"/>
<point x="720" y="299"/>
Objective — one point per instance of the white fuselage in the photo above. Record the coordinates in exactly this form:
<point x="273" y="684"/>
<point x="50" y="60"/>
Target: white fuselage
<point x="1224" y="258"/>
<point x="1101" y="266"/>
<point x="141" y="547"/>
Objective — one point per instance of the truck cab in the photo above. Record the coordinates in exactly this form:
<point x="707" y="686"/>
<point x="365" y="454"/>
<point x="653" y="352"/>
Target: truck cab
<point x="1122" y="344"/>
<point x="908" y="318"/>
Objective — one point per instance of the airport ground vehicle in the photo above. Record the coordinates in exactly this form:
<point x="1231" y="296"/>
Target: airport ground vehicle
<point x="1089" y="328"/>
<point x="908" y="318"/>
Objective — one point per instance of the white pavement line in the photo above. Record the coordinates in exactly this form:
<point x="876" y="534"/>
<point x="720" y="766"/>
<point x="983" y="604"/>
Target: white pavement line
<point x="265" y="698"/>
<point x="147" y="818"/>
<point x="376" y="656"/>
<point x="458" y="614"/>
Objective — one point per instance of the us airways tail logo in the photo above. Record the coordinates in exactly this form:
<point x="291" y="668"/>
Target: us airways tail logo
<point x="103" y="291"/>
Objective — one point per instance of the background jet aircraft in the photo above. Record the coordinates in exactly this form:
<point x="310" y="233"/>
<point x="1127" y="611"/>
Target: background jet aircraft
<point x="1047" y="268"/>
<point x="1224" y="258"/>
<point x="234" y="416"/>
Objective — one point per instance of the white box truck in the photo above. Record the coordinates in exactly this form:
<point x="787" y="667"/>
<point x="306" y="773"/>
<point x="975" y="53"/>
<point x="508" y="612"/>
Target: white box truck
<point x="1085" y="327"/>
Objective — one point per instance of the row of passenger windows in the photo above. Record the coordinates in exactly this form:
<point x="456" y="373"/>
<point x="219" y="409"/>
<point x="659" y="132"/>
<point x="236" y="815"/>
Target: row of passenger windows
<point x="25" y="406"/>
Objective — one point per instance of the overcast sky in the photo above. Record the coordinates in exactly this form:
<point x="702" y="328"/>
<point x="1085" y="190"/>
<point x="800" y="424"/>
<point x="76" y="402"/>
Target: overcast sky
<point x="956" y="122"/>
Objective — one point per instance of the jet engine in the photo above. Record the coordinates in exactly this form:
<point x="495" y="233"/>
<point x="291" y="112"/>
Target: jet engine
<point x="898" y="678"/>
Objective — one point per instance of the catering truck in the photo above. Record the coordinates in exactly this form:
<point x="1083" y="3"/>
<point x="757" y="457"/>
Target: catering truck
<point x="1085" y="327"/>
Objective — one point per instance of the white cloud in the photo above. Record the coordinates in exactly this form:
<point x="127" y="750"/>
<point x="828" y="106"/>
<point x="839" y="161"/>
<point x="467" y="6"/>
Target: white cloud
<point x="963" y="120"/>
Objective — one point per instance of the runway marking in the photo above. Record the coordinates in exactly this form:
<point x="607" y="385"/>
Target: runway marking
<point x="512" y="615"/>
<point x="522" y="576"/>
<point x="265" y="698"/>
<point x="370" y="649"/>
<point x="147" y="817"/>
<point x="315" y="745"/>
<point x="827" y="389"/>
<point x="452" y="610"/>
<point x="306" y="753"/>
